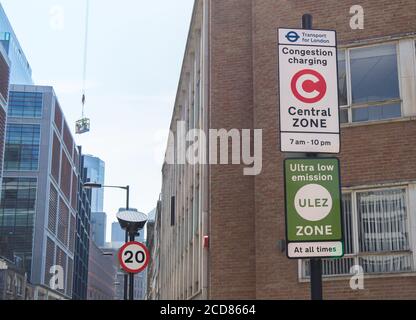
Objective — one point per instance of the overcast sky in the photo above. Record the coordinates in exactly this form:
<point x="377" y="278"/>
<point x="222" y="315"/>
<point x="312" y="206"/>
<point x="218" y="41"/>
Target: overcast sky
<point x="136" y="49"/>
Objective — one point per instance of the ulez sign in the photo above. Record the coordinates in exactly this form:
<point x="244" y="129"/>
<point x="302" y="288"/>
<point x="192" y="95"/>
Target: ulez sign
<point x="313" y="208"/>
<point x="308" y="82"/>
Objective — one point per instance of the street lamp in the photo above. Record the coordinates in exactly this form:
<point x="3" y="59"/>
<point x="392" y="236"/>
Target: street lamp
<point x="132" y="221"/>
<point x="92" y="185"/>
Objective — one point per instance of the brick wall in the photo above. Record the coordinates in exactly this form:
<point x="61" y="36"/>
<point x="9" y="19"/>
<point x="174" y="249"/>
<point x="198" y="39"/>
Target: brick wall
<point x="247" y="214"/>
<point x="232" y="194"/>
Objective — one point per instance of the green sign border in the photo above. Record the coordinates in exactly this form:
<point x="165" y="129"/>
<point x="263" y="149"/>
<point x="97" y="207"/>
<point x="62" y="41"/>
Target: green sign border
<point x="341" y="212"/>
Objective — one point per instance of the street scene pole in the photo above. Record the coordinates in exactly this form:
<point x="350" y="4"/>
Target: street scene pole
<point x="126" y="239"/>
<point x="316" y="279"/>
<point x="131" y="275"/>
<point x="133" y="256"/>
<point x="315" y="264"/>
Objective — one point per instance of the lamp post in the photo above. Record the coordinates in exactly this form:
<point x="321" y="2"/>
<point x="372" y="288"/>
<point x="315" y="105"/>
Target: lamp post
<point x="132" y="221"/>
<point x="90" y="185"/>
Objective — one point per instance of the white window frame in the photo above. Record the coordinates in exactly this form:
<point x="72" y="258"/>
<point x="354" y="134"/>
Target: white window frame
<point x="402" y="64"/>
<point x="410" y="189"/>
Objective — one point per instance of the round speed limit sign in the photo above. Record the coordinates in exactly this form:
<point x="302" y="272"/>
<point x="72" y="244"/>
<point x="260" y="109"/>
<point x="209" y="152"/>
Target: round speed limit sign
<point x="133" y="257"/>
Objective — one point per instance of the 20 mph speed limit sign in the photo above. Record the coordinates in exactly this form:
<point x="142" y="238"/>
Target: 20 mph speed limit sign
<point x="133" y="257"/>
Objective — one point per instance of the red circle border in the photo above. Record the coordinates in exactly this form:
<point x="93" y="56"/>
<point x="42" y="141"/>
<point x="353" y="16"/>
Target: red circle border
<point x="120" y="258"/>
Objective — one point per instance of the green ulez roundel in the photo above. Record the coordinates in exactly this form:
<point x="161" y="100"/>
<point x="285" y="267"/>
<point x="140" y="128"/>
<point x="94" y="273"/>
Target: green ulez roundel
<point x="313" y="200"/>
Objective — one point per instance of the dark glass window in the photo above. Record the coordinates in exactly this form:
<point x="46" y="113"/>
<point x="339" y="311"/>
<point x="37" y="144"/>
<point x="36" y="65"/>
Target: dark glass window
<point x="374" y="82"/>
<point x="22" y="147"/>
<point x="25" y="104"/>
<point x="374" y="74"/>
<point x="342" y="79"/>
<point x="17" y="216"/>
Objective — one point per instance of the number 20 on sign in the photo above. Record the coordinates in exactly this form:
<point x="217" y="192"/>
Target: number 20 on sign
<point x="133" y="257"/>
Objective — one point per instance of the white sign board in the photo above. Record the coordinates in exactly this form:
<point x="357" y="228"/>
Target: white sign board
<point x="302" y="250"/>
<point x="308" y="77"/>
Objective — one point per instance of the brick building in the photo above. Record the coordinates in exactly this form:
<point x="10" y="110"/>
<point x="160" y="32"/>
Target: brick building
<point x="229" y="80"/>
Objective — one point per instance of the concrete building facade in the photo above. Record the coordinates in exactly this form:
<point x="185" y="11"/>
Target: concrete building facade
<point x="152" y="242"/>
<point x="220" y="230"/>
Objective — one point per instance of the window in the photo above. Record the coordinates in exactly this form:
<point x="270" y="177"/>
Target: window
<point x="368" y="82"/>
<point x="376" y="234"/>
<point x="19" y="286"/>
<point x="9" y="283"/>
<point x="22" y="147"/>
<point x="172" y="211"/>
<point x="17" y="216"/>
<point x="25" y="104"/>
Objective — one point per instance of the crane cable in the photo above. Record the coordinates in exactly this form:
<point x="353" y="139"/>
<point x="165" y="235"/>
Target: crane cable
<point x="84" y="76"/>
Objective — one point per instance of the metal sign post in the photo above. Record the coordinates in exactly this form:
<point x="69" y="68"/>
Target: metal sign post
<point x="310" y="124"/>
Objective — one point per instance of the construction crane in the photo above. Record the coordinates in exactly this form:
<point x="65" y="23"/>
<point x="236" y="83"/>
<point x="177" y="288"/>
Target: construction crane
<point x="83" y="125"/>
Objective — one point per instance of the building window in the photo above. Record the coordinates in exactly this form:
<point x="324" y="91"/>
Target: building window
<point x="9" y="285"/>
<point x="17" y="216"/>
<point x="376" y="231"/>
<point x="368" y="82"/>
<point x="22" y="147"/>
<point x="19" y="286"/>
<point x="172" y="211"/>
<point x="25" y="104"/>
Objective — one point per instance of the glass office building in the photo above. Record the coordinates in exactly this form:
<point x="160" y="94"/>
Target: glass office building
<point x="96" y="173"/>
<point x="21" y="72"/>
<point x="17" y="220"/>
<point x="98" y="228"/>
<point x="4" y="97"/>
<point x="39" y="205"/>
<point x="82" y="239"/>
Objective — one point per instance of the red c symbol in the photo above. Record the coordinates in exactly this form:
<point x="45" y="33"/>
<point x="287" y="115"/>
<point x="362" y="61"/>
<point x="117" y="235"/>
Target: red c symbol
<point x="309" y="86"/>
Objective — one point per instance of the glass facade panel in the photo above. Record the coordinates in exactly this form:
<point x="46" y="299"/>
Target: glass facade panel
<point x="342" y="79"/>
<point x="22" y="147"/>
<point x="25" y="104"/>
<point x="374" y="74"/>
<point x="344" y="116"/>
<point x="372" y="113"/>
<point x="17" y="216"/>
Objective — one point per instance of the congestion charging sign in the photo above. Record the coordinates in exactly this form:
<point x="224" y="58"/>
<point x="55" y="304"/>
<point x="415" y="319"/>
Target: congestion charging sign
<point x="313" y="208"/>
<point x="309" y="108"/>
